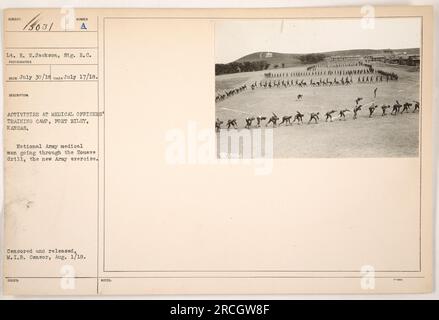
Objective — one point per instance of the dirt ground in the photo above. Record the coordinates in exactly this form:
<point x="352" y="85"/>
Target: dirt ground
<point x="388" y="136"/>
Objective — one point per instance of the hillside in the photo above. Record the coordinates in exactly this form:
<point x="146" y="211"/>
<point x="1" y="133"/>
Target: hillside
<point x="272" y="60"/>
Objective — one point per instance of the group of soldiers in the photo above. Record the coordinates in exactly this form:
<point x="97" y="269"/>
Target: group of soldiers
<point x="380" y="78"/>
<point x="319" y="73"/>
<point x="396" y="108"/>
<point x="389" y="75"/>
<point x="286" y="83"/>
<point x="230" y="93"/>
<point x="366" y="74"/>
<point x="300" y="83"/>
<point x="345" y="64"/>
<point x="314" y="117"/>
<point x="317" y="83"/>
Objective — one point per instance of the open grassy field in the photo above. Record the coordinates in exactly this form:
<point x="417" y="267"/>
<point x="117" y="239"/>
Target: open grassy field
<point x="388" y="136"/>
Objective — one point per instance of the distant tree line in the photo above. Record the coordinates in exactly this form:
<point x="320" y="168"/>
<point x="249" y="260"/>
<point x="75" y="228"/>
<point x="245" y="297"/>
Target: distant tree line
<point x="311" y="58"/>
<point x="234" y="67"/>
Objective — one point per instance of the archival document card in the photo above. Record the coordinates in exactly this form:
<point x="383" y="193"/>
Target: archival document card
<point x="218" y="151"/>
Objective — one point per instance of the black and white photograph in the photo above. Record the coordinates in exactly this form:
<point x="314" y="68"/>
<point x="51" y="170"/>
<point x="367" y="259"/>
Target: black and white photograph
<point x="327" y="88"/>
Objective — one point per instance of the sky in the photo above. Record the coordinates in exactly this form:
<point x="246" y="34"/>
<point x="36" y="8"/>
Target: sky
<point x="234" y="39"/>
